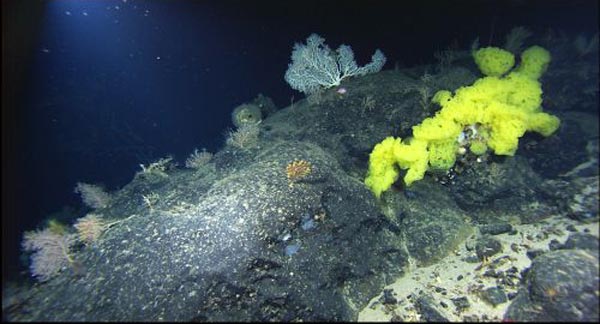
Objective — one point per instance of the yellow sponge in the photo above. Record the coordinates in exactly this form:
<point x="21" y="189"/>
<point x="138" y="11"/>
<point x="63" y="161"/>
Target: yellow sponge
<point x="493" y="61"/>
<point x="534" y="61"/>
<point x="382" y="170"/>
<point x="500" y="107"/>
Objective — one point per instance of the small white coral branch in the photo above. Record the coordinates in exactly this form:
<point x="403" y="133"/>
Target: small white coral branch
<point x="93" y="196"/>
<point x="198" y="159"/>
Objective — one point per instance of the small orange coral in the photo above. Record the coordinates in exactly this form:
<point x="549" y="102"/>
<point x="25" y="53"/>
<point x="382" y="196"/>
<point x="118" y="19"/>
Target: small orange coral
<point x="90" y="228"/>
<point x="298" y="169"/>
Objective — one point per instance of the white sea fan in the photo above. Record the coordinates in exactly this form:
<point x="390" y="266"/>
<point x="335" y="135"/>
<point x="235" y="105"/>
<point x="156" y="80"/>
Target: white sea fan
<point x="315" y="66"/>
<point x="50" y="252"/>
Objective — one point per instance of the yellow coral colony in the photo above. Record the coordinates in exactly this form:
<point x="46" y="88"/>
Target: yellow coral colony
<point x="502" y="107"/>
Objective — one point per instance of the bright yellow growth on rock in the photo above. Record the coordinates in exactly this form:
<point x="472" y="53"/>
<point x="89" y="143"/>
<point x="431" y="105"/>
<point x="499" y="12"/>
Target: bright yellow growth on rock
<point x="504" y="108"/>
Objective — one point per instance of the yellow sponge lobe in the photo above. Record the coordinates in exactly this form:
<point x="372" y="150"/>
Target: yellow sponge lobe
<point x="493" y="61"/>
<point x="534" y="62"/>
<point x="382" y="171"/>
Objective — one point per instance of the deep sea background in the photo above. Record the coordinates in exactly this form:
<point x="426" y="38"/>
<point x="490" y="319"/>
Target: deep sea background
<point x="91" y="89"/>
